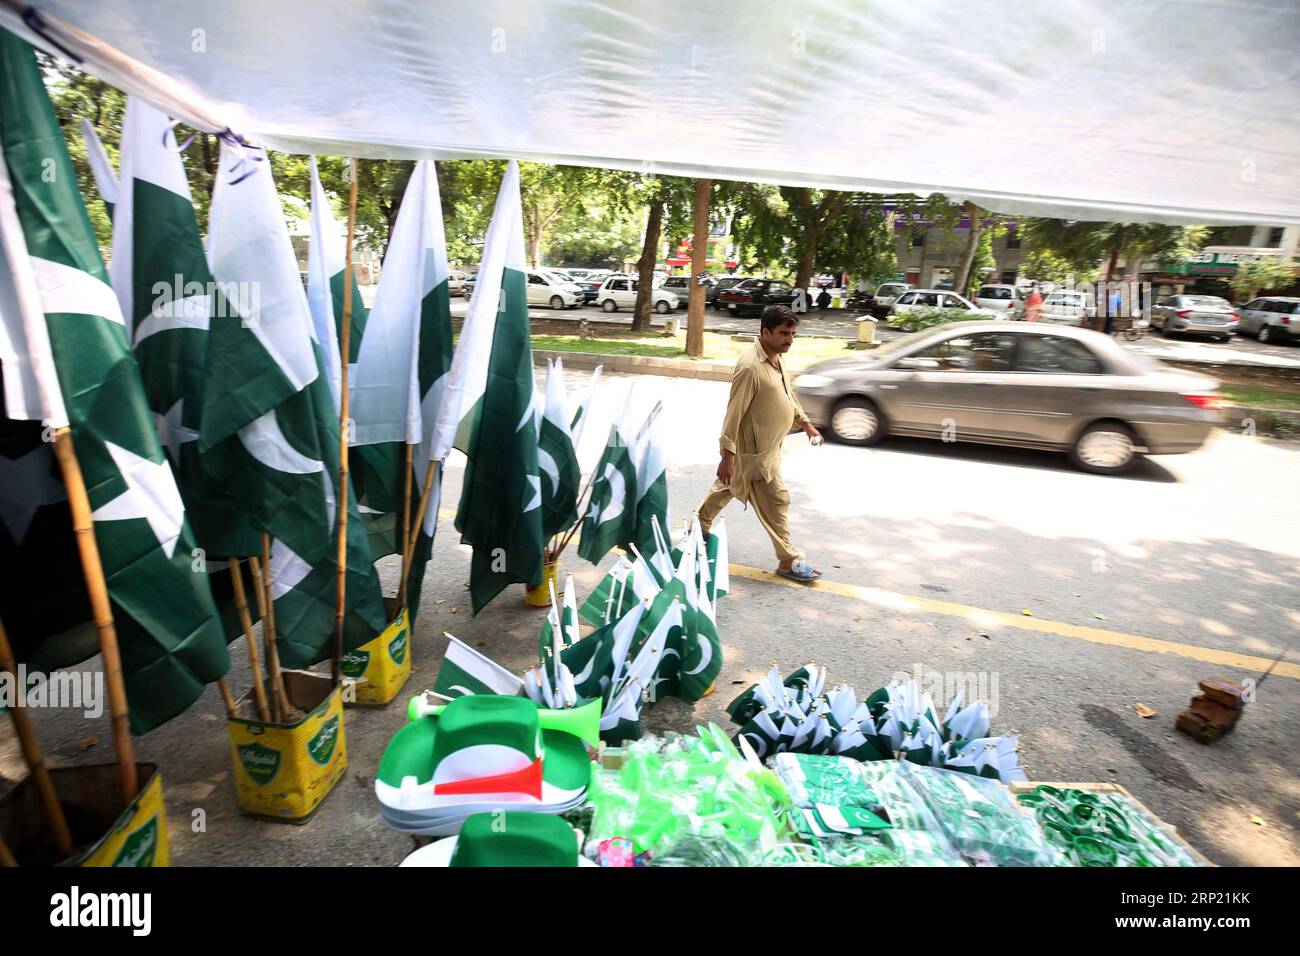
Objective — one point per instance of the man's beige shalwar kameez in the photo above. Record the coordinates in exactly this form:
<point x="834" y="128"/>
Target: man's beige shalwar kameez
<point x="760" y="413"/>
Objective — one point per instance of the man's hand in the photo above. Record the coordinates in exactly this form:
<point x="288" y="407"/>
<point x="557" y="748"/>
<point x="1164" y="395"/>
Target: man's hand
<point x="814" y="436"/>
<point x="727" y="467"/>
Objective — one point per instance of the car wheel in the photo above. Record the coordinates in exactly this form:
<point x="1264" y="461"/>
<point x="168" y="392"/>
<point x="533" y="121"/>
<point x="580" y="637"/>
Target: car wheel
<point x="609" y="305"/>
<point x="662" y="307"/>
<point x="857" y="421"/>
<point x="1265" y="334"/>
<point x="1166" y="331"/>
<point x="1105" y="448"/>
<point x="557" y="302"/>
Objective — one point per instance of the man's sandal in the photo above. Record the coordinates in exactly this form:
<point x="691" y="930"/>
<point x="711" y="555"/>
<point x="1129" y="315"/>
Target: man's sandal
<point x="800" y="570"/>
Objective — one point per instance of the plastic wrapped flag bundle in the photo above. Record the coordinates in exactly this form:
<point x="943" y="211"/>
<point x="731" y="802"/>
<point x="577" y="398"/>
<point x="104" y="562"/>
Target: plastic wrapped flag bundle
<point x="798" y="715"/>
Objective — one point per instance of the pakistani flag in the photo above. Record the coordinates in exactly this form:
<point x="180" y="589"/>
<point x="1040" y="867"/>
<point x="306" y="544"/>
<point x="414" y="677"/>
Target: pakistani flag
<point x="557" y="457"/>
<point x="651" y="485"/>
<point x="610" y="521"/>
<point x="487" y="412"/>
<point x="403" y="357"/>
<point x="465" y="672"/>
<point x="562" y="620"/>
<point x="101" y="167"/>
<point x="250" y="249"/>
<point x="701" y="647"/>
<point x="579" y="423"/>
<point x="260" y="429"/>
<point x="161" y="278"/>
<point x="68" y="363"/>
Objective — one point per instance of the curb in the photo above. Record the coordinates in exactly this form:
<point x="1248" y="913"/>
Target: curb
<point x="638" y="364"/>
<point x="1264" y="420"/>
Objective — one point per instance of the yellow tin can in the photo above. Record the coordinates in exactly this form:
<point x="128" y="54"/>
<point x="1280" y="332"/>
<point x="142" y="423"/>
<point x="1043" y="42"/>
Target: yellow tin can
<point x="140" y="836"/>
<point x="375" y="672"/>
<point x="540" y="596"/>
<point x="285" y="771"/>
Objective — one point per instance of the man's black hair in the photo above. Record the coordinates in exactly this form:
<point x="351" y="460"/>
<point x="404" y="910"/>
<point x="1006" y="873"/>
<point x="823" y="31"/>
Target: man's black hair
<point x="775" y="316"/>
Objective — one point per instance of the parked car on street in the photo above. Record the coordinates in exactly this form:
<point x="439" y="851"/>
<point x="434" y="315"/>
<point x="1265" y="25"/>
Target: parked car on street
<point x="936" y="299"/>
<point x="1014" y="383"/>
<point x="456" y="283"/>
<point x="468" y="290"/>
<point x="1271" y="318"/>
<point x="619" y="292"/>
<point x="1000" y="299"/>
<point x="1208" y="314"/>
<point x="680" y="286"/>
<point x="548" y="288"/>
<point x="752" y="296"/>
<point x="1068" y="307"/>
<point x="884" y="297"/>
<point x="723" y="284"/>
<point x="590" y="283"/>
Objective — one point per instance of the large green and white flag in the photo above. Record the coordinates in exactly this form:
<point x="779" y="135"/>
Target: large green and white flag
<point x="260" y="426"/>
<point x="68" y="363"/>
<point x="160" y="274"/>
<point x="400" y="370"/>
<point x="487" y="412"/>
<point x="101" y="167"/>
<point x="561" y="618"/>
<point x="557" y="457"/>
<point x="701" y="648"/>
<point x="293" y="449"/>
<point x="578" y="424"/>
<point x="610" y="520"/>
<point x="651" y="485"/>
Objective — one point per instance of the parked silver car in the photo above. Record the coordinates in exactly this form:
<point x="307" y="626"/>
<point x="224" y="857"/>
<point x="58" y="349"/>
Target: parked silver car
<point x="1014" y="383"/>
<point x="1271" y="318"/>
<point x="1207" y="314"/>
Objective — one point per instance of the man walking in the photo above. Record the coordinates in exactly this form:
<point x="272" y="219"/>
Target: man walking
<point x="760" y="413"/>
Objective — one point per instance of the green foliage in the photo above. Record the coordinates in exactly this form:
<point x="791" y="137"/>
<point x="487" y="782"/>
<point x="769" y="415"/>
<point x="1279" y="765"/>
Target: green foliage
<point x="1263" y="274"/>
<point x="925" y="316"/>
<point x="1044" y="265"/>
<point x="1085" y="244"/>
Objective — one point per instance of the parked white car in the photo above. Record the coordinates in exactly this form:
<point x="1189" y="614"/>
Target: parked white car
<point x="938" y="299"/>
<point x="456" y="283"/>
<point x="1068" y="307"/>
<point x="548" y="288"/>
<point x="886" y="294"/>
<point x="999" y="299"/>
<point x="619" y="291"/>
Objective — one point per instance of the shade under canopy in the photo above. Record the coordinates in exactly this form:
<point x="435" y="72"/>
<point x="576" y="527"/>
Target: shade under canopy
<point x="1178" y="111"/>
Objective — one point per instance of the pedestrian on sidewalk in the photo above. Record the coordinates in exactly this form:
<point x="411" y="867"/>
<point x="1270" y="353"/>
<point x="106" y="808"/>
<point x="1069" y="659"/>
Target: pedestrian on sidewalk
<point x="1033" y="305"/>
<point x="760" y="413"/>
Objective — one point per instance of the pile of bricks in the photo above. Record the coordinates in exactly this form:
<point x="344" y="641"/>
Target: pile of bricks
<point x="1214" y="711"/>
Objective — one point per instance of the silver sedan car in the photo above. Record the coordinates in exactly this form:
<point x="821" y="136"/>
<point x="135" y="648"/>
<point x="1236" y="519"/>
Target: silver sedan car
<point x="1012" y="383"/>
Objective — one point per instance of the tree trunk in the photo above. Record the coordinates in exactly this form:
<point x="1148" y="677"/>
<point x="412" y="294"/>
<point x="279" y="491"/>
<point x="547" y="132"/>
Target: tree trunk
<point x="646" y="268"/>
<point x="699" y="252"/>
<point x="974" y="213"/>
<point x="807" y="257"/>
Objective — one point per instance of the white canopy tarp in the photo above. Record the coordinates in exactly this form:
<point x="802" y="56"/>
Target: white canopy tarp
<point x="1144" y="110"/>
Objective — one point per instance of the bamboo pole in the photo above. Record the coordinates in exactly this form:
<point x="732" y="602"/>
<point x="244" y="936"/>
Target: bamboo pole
<point x="226" y="697"/>
<point x="6" y="857"/>
<point x="35" y="757"/>
<point x="345" y="335"/>
<point x="406" y="526"/>
<point x="102" y="611"/>
<point x="429" y="473"/>
<point x="254" y="664"/>
<point x="279" y="699"/>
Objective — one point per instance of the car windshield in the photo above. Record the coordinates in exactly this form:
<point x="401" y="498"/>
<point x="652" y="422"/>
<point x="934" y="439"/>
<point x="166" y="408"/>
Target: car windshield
<point x="1213" y="300"/>
<point x="900" y="344"/>
<point x="890" y="290"/>
<point x="994" y="292"/>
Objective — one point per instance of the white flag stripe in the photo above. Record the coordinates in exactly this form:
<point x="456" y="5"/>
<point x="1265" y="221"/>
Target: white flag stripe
<point x="248" y="243"/>
<point x="31" y="383"/>
<point x="325" y="258"/>
<point x="467" y="379"/>
<point x="101" y="167"/>
<point x="192" y="312"/>
<point x="488" y="671"/>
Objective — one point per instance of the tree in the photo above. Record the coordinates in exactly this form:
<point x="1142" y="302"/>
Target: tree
<point x="1261" y="275"/>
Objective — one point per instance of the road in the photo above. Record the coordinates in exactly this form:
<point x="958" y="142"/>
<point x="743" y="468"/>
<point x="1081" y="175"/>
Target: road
<point x="1136" y="588"/>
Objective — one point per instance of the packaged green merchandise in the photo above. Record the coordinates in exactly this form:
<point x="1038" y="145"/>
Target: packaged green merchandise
<point x="1093" y="828"/>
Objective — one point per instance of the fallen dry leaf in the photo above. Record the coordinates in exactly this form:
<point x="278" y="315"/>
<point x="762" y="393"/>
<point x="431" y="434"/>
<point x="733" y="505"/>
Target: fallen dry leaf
<point x="1145" y="711"/>
<point x="87" y="743"/>
<point x="1026" y="612"/>
<point x="454" y="610"/>
<point x="1100" y="617"/>
<point x="1257" y="820"/>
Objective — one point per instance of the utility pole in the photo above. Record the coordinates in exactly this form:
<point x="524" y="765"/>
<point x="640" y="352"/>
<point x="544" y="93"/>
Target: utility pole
<point x="699" y="252"/>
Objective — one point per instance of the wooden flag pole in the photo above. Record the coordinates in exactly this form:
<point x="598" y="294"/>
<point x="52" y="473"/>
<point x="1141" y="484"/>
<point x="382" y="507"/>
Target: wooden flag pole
<point x="419" y="514"/>
<point x="227" y="698"/>
<point x="279" y="699"/>
<point x="246" y="621"/>
<point x="35" y="757"/>
<point x="101" y="610"/>
<point x="406" y="526"/>
<point x="6" y="857"/>
<point x="345" y="427"/>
